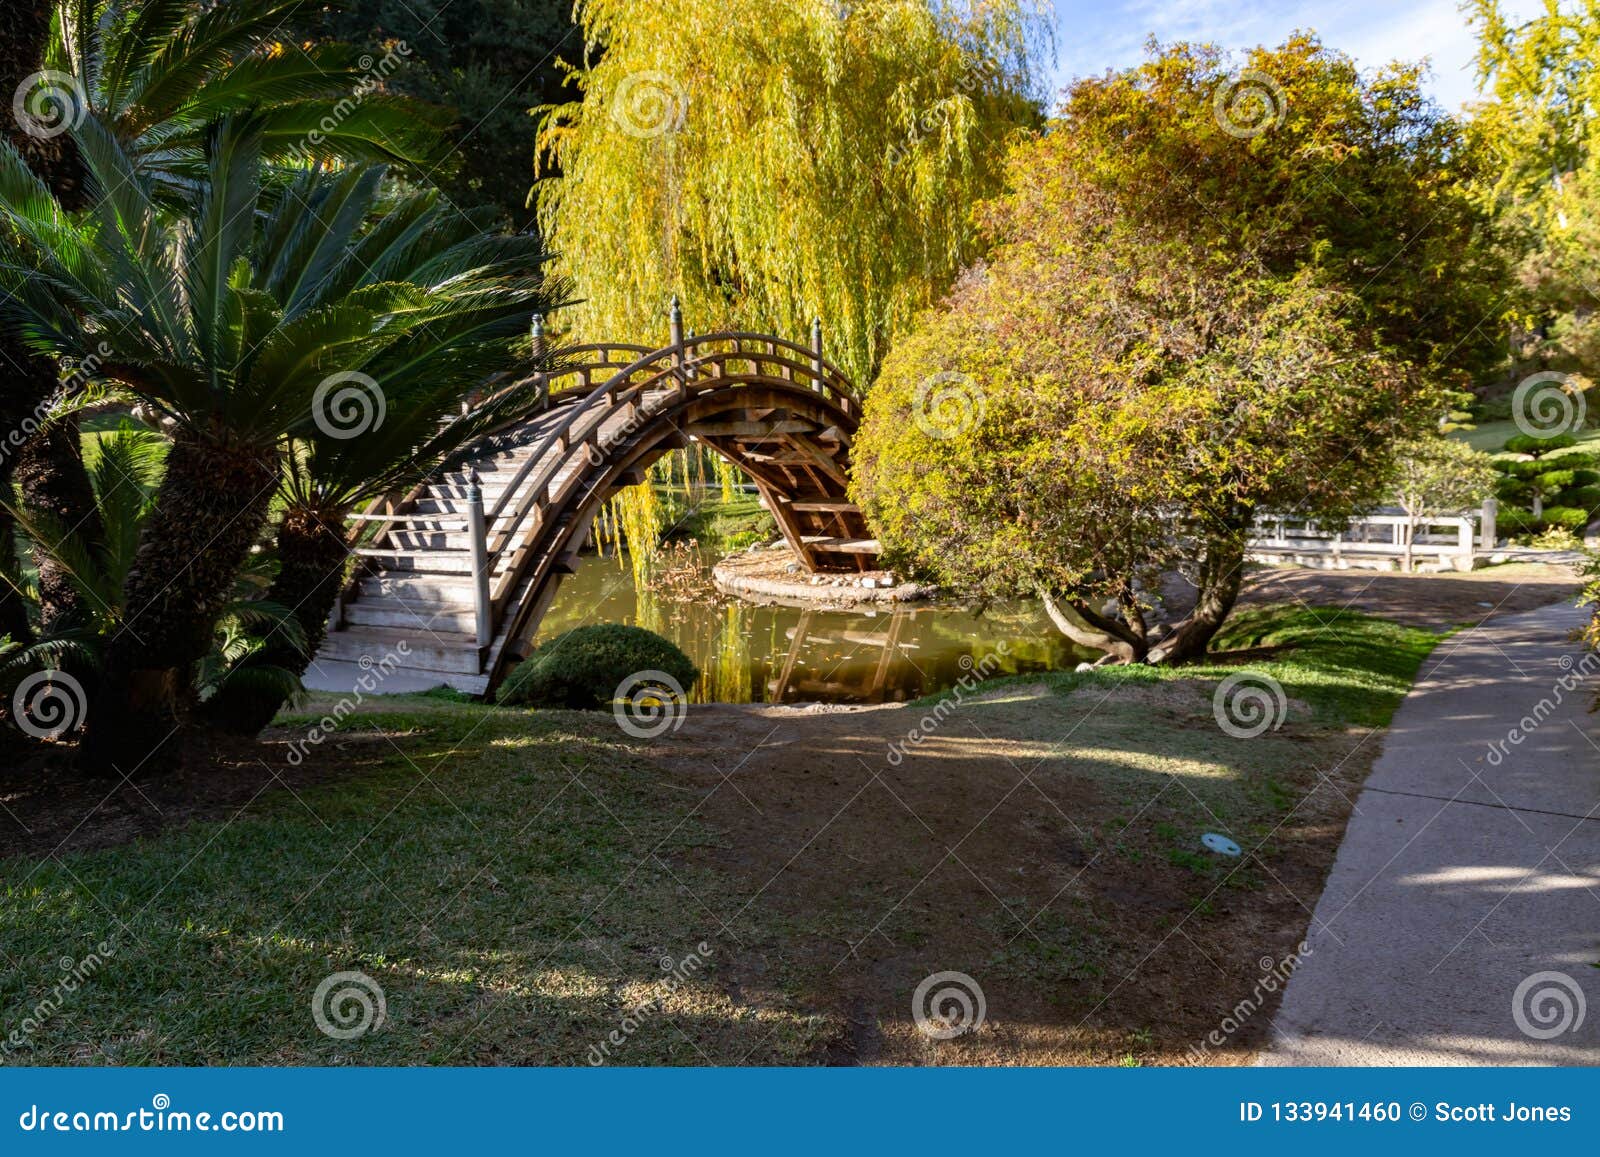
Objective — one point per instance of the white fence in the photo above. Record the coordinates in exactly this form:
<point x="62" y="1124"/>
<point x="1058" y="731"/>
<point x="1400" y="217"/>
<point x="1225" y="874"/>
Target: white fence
<point x="1384" y="540"/>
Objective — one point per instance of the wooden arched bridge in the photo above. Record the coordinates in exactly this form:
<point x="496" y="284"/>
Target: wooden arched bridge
<point x="451" y="587"/>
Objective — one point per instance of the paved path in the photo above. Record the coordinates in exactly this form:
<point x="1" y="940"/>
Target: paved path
<point x="1466" y="868"/>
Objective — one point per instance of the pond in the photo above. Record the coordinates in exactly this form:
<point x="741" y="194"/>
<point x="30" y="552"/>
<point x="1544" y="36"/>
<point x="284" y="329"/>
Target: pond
<point x="783" y="654"/>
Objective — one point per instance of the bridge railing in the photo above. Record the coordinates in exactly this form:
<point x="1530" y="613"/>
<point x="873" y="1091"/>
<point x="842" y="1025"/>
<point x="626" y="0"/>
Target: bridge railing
<point x="601" y="378"/>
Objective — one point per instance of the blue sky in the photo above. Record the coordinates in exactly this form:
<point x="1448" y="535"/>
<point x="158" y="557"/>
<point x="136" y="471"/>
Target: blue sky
<point x="1092" y="35"/>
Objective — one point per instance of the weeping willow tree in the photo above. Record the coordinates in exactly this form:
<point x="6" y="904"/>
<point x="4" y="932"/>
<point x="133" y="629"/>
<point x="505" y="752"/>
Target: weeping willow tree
<point x="771" y="161"/>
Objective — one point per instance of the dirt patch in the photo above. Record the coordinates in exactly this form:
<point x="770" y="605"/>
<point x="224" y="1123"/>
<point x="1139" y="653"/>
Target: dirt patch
<point x="47" y="808"/>
<point x="1046" y="848"/>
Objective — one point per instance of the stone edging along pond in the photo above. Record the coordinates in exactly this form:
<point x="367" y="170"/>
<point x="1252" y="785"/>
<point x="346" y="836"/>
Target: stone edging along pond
<point x="763" y="574"/>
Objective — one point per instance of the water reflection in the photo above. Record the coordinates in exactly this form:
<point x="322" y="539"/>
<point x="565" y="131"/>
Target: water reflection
<point x="779" y="654"/>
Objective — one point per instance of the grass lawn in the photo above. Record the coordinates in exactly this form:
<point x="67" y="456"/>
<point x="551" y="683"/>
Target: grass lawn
<point x="517" y="882"/>
<point x="1491" y="436"/>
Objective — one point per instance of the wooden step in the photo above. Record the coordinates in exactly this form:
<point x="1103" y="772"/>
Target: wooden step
<point x="431" y="650"/>
<point x="406" y="614"/>
<point x="842" y="545"/>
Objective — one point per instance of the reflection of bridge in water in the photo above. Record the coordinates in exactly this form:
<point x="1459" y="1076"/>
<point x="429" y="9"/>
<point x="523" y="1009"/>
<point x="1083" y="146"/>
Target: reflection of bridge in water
<point x="883" y="678"/>
<point x="455" y="575"/>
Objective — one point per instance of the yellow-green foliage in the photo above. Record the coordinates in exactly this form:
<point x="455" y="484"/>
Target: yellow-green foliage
<point x="1144" y="362"/>
<point x="772" y="161"/>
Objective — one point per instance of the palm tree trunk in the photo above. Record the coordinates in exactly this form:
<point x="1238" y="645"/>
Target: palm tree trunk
<point x="312" y="558"/>
<point x="52" y="479"/>
<point x="208" y="513"/>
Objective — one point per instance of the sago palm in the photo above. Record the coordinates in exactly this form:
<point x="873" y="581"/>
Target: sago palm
<point x="330" y="468"/>
<point x="233" y="323"/>
<point x="155" y="75"/>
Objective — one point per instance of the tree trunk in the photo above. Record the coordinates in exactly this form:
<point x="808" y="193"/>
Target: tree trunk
<point x="1081" y="624"/>
<point x="53" y="481"/>
<point x="312" y="556"/>
<point x="1221" y="574"/>
<point x="208" y="512"/>
<point x="29" y="380"/>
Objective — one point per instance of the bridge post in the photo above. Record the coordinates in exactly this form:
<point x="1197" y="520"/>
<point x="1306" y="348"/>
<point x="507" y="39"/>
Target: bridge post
<point x="816" y="350"/>
<point x="477" y="533"/>
<point x="541" y="381"/>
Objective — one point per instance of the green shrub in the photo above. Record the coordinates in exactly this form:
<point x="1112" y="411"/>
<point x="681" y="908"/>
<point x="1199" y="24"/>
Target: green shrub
<point x="584" y="668"/>
<point x="1580" y="497"/>
<point x="1512" y="521"/>
<point x="1538" y="447"/>
<point x="1555" y="481"/>
<point x="1527" y="469"/>
<point x="1513" y="490"/>
<point x="1567" y="517"/>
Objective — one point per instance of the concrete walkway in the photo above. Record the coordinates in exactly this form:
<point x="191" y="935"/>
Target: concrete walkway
<point x="1472" y="863"/>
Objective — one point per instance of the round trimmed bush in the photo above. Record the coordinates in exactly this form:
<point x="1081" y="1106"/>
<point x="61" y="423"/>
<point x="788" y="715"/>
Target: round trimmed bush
<point x="1538" y="447"/>
<point x="1580" y="498"/>
<point x="583" y="668"/>
<point x="1511" y="522"/>
<point x="1566" y="517"/>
